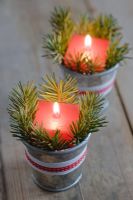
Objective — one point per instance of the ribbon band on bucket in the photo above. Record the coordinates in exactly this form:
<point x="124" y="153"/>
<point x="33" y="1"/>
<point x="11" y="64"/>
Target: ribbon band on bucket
<point x="60" y="168"/>
<point x="102" y="89"/>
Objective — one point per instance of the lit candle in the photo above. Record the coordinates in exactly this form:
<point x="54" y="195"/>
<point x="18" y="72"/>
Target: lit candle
<point x="92" y="48"/>
<point x="87" y="52"/>
<point x="53" y="116"/>
<point x="56" y="110"/>
<point x="88" y="41"/>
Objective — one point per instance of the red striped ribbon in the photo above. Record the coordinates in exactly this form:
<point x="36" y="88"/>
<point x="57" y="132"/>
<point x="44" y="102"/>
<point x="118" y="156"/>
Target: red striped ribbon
<point x="98" y="89"/>
<point x="63" y="169"/>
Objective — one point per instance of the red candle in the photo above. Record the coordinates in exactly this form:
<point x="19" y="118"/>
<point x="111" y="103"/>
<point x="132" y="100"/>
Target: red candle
<point x="53" y="116"/>
<point x="93" y="48"/>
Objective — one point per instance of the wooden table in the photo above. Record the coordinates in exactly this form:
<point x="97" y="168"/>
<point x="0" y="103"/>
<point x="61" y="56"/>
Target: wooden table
<point x="108" y="171"/>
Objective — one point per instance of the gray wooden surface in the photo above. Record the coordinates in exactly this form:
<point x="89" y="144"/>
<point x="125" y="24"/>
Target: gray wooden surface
<point x="108" y="171"/>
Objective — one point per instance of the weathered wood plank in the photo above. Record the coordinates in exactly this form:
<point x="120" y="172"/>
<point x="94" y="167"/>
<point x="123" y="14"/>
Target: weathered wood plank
<point x="107" y="173"/>
<point x="19" y="182"/>
<point x="121" y="130"/>
<point x="2" y="191"/>
<point x="110" y="162"/>
<point x="21" y="65"/>
<point x="2" y="181"/>
<point x="33" y="16"/>
<point x="123" y="11"/>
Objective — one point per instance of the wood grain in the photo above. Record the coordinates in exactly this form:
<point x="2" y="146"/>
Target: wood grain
<point x="2" y="181"/>
<point x="123" y="11"/>
<point x="22" y="62"/>
<point x="108" y="170"/>
<point x="2" y="189"/>
<point x="110" y="163"/>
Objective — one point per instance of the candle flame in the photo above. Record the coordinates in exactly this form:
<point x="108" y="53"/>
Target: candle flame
<point x="56" y="109"/>
<point x="88" y="41"/>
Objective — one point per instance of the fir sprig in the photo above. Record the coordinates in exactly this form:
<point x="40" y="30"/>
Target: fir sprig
<point x="24" y="104"/>
<point x="81" y="63"/>
<point x="44" y="141"/>
<point x="82" y="26"/>
<point x="61" y="20"/>
<point x="90" y="119"/>
<point x="64" y="91"/>
<point x="116" y="53"/>
<point x="104" y="26"/>
<point x="56" y="43"/>
<point x="63" y="27"/>
<point x="22" y="109"/>
<point x="55" y="46"/>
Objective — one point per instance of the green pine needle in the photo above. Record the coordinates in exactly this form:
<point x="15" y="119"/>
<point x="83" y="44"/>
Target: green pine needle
<point x="55" y="46"/>
<point x="64" y="91"/>
<point x="116" y="53"/>
<point x="81" y="63"/>
<point x="24" y="104"/>
<point x="56" y="43"/>
<point x="104" y="26"/>
<point x="22" y="109"/>
<point x="61" y="20"/>
<point x="90" y="119"/>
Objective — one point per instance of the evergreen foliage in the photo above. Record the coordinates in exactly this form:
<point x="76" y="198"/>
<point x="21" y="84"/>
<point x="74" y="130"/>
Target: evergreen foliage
<point x="63" y="27"/>
<point x="24" y="103"/>
<point x="59" y="91"/>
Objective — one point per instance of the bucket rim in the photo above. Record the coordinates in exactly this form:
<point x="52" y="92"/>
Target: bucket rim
<point x="65" y="151"/>
<point x="104" y="73"/>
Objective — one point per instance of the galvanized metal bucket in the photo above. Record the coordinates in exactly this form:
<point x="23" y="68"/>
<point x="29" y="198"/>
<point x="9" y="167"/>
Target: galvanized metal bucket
<point x="57" y="170"/>
<point x="101" y="83"/>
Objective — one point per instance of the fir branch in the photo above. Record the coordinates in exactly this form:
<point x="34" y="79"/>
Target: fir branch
<point x="24" y="104"/>
<point x="64" y="91"/>
<point x="55" y="46"/>
<point x="81" y="63"/>
<point x="61" y="20"/>
<point x="104" y="26"/>
<point x="45" y="141"/>
<point x="22" y="109"/>
<point x="116" y="53"/>
<point x="63" y="27"/>
<point x="82" y="27"/>
<point x="90" y="119"/>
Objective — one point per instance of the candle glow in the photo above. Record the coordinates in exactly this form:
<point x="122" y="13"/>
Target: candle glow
<point x="56" y="109"/>
<point x="88" y="41"/>
<point x="90" y="47"/>
<point x="87" y="53"/>
<point x="52" y="116"/>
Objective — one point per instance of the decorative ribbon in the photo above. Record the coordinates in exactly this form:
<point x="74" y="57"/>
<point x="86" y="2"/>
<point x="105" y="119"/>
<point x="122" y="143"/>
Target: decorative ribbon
<point x="102" y="89"/>
<point x="60" y="168"/>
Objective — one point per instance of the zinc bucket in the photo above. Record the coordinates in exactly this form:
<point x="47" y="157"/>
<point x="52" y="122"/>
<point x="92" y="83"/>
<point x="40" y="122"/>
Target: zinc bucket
<point x="56" y="170"/>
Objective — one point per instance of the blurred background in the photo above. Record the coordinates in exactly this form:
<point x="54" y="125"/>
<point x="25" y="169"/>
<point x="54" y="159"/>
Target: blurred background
<point x="22" y="25"/>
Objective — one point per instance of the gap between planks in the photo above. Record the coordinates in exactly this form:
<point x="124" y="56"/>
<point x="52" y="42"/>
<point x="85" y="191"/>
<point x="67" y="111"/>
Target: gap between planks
<point x="93" y="11"/>
<point x="124" y="107"/>
<point x="3" y="195"/>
